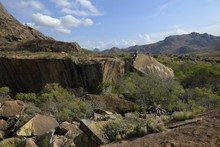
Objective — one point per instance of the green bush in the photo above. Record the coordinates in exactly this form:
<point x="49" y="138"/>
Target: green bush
<point x="183" y="115"/>
<point x="131" y="127"/>
<point x="4" y="90"/>
<point x="151" y="90"/>
<point x="28" y="97"/>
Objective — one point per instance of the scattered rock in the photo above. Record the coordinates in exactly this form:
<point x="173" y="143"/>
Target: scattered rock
<point x="65" y="127"/>
<point x="3" y="124"/>
<point x="37" y="126"/>
<point x="2" y="135"/>
<point x="12" y="142"/>
<point x="12" y="108"/>
<point x="46" y="139"/>
<point x="58" y="141"/>
<point x="30" y="143"/>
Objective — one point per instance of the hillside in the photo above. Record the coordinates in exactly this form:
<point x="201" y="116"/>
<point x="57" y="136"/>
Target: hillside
<point x="177" y="44"/>
<point x="12" y="32"/>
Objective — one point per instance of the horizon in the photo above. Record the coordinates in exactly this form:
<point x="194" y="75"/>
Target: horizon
<point x="104" y="24"/>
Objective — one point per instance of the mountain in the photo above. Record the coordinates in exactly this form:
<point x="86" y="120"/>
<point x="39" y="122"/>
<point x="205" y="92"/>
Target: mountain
<point x="12" y="32"/>
<point x="177" y="44"/>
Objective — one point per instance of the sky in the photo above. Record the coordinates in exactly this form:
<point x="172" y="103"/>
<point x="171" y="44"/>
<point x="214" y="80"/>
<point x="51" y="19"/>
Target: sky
<point x="104" y="24"/>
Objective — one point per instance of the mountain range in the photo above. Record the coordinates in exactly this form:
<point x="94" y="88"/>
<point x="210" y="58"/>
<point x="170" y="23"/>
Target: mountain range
<point x="193" y="43"/>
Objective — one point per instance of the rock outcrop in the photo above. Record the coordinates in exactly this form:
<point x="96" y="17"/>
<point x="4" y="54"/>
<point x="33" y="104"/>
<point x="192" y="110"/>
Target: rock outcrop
<point x="146" y="64"/>
<point x="26" y="74"/>
<point x="12" y="32"/>
<point x="49" y="46"/>
<point x="37" y="126"/>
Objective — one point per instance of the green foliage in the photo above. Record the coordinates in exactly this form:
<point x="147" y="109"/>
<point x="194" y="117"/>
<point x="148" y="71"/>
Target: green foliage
<point x="104" y="86"/>
<point x="131" y="127"/>
<point x="4" y="90"/>
<point x="28" y="97"/>
<point x="183" y="115"/>
<point x="203" y="97"/>
<point x="117" y="130"/>
<point x="193" y="72"/>
<point x="151" y="90"/>
<point x="87" y="52"/>
<point x="62" y="104"/>
<point x="32" y="109"/>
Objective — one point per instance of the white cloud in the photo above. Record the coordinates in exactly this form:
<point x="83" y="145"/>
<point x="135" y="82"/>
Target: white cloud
<point x="107" y="44"/>
<point x="63" y="24"/>
<point x="32" y="3"/>
<point x="87" y="4"/>
<point x="80" y="12"/>
<point x="147" y="38"/>
<point x="62" y="3"/>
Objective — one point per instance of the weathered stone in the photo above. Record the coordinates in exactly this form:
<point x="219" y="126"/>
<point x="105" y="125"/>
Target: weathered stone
<point x="12" y="142"/>
<point x="12" y="108"/>
<point x="37" y="126"/>
<point x="30" y="143"/>
<point x="64" y="127"/>
<point x="92" y="129"/>
<point x="46" y="139"/>
<point x="146" y="64"/>
<point x="58" y="141"/>
<point x="68" y="143"/>
<point x="3" y="124"/>
<point x="2" y="135"/>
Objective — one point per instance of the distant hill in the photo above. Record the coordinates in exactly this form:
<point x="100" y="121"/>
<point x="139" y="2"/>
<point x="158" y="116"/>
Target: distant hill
<point x="177" y="44"/>
<point x="12" y="32"/>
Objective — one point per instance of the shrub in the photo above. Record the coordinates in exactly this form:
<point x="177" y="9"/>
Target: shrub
<point x="131" y="127"/>
<point x="28" y="97"/>
<point x="183" y="115"/>
<point x="151" y="90"/>
<point x="4" y="90"/>
<point x="31" y="109"/>
<point x="104" y="87"/>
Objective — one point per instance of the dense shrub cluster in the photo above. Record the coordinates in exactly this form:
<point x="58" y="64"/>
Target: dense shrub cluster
<point x="131" y="127"/>
<point x="150" y="90"/>
<point x="57" y="101"/>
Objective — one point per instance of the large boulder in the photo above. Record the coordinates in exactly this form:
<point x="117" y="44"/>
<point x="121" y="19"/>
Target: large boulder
<point x="146" y="64"/>
<point x="12" y="108"/>
<point x="65" y="127"/>
<point x="37" y="126"/>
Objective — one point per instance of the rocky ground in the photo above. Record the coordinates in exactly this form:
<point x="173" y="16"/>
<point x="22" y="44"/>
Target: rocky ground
<point x="204" y="133"/>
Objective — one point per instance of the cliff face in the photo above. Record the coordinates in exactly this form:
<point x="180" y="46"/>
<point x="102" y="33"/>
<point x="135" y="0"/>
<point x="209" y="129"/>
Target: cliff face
<point x="29" y="75"/>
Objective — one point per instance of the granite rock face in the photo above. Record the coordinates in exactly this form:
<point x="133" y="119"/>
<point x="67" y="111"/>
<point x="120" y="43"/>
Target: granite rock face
<point x="30" y="75"/>
<point x="146" y="64"/>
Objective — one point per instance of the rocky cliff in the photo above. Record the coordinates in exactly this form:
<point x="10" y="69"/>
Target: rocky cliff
<point x="12" y="32"/>
<point x="29" y="74"/>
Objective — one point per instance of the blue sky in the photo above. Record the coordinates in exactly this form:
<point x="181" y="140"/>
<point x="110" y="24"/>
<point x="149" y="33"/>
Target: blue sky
<point x="106" y="23"/>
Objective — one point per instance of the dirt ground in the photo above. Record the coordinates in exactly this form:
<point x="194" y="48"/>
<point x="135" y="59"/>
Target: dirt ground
<point x="204" y="133"/>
